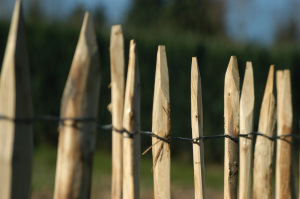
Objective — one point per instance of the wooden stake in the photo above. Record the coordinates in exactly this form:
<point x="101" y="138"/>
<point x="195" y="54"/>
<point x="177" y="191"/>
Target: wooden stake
<point x="131" y="122"/>
<point x="161" y="126"/>
<point x="16" y="138"/>
<point x="246" y="126"/>
<point x="263" y="154"/>
<point x="284" y="127"/>
<point x="80" y="100"/>
<point x="197" y="129"/>
<point x="231" y="110"/>
<point x="117" y="101"/>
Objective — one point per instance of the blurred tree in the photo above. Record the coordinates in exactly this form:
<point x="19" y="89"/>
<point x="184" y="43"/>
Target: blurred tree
<point x="144" y="13"/>
<point x="34" y="12"/>
<point x="202" y="16"/>
<point x="289" y="33"/>
<point x="76" y="16"/>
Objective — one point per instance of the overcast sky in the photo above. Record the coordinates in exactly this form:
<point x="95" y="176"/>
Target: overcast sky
<point x="248" y="20"/>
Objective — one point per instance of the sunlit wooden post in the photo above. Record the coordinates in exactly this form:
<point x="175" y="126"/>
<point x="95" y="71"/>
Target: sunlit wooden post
<point x="246" y="126"/>
<point x="117" y="101"/>
<point x="284" y="127"/>
<point x="131" y="122"/>
<point x="16" y="138"/>
<point x="161" y="126"/>
<point x="264" y="148"/>
<point x="231" y="114"/>
<point x="80" y="100"/>
<point x="197" y="129"/>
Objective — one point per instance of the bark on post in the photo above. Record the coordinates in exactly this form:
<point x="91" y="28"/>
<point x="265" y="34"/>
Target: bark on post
<point x="231" y="114"/>
<point x="80" y="100"/>
<point x="16" y="137"/>
<point x="197" y="129"/>
<point x="284" y="127"/>
<point x="263" y="154"/>
<point x="131" y="122"/>
<point x="161" y="126"/>
<point x="246" y="126"/>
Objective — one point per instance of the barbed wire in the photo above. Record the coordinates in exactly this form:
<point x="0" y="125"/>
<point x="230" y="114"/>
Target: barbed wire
<point x="109" y="127"/>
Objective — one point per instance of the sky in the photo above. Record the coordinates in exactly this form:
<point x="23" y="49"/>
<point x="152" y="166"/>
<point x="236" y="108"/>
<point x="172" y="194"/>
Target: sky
<point x="256" y="21"/>
<point x="260" y="20"/>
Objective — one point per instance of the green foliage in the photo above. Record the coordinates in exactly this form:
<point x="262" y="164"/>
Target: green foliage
<point x="201" y="16"/>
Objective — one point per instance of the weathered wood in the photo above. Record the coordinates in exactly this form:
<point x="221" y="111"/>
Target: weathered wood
<point x="197" y="129"/>
<point x="16" y="138"/>
<point x="80" y="100"/>
<point x="246" y="126"/>
<point x="131" y="122"/>
<point x="117" y="100"/>
<point x="284" y="127"/>
<point x="263" y="154"/>
<point x="231" y="114"/>
<point x="161" y="126"/>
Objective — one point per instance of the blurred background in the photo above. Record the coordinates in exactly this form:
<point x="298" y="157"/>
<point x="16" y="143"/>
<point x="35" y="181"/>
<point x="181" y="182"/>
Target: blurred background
<point x="264" y="32"/>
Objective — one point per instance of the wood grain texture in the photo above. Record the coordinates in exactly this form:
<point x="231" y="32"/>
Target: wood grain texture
<point x="284" y="127"/>
<point x="264" y="148"/>
<point x="16" y="138"/>
<point x="117" y="100"/>
<point x="161" y="126"/>
<point x="131" y="122"/>
<point x="80" y="100"/>
<point x="246" y="126"/>
<point x="231" y="114"/>
<point x="197" y="129"/>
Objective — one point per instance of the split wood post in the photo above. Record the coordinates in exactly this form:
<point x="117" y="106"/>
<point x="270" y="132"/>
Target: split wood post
<point x="231" y="114"/>
<point x="77" y="136"/>
<point x="197" y="129"/>
<point x="131" y="122"/>
<point x="264" y="147"/>
<point x="16" y="137"/>
<point x="246" y="126"/>
<point x="284" y="127"/>
<point x="117" y="100"/>
<point x="161" y="126"/>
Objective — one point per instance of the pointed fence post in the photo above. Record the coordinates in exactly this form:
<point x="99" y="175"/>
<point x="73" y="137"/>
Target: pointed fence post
<point x="246" y="126"/>
<point x="131" y="122"/>
<point x="231" y="114"/>
<point x="16" y="137"/>
<point x="264" y="147"/>
<point x="161" y="126"/>
<point x="117" y="101"/>
<point x="284" y="127"/>
<point x="77" y="136"/>
<point x="197" y="129"/>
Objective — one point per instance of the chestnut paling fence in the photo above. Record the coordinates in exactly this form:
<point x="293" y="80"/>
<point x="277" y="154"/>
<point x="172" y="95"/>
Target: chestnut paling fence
<point x="78" y="124"/>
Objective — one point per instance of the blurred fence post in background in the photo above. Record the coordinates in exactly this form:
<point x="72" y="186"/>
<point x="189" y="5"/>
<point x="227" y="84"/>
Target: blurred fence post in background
<point x="161" y="153"/>
<point x="264" y="147"/>
<point x="284" y="127"/>
<point x="231" y="114"/>
<point x="117" y="101"/>
<point x="80" y="100"/>
<point x="197" y="130"/>
<point x="246" y="126"/>
<point x="16" y="138"/>
<point x="131" y="122"/>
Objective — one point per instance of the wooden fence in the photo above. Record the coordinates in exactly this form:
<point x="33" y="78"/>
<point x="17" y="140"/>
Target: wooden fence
<point x="78" y="124"/>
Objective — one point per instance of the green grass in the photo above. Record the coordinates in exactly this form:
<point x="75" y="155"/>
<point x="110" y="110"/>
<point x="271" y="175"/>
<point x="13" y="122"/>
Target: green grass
<point x="181" y="174"/>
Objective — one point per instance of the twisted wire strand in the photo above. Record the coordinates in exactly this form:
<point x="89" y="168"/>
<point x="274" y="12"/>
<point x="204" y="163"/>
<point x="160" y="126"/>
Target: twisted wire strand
<point x="109" y="127"/>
